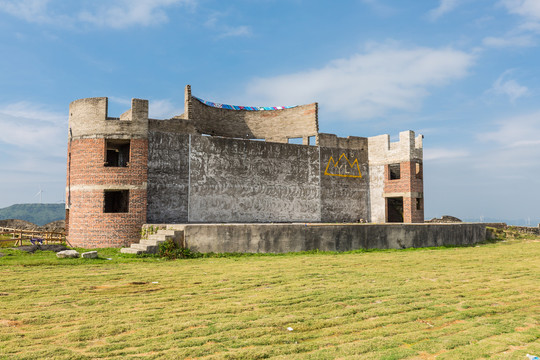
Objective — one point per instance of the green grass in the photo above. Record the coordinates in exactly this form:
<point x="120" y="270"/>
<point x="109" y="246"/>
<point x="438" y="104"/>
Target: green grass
<point x="453" y="303"/>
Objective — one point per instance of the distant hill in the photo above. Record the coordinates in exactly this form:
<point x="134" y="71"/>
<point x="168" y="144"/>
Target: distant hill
<point x="39" y="214"/>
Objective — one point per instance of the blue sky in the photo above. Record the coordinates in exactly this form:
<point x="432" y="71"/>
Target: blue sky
<point x="462" y="72"/>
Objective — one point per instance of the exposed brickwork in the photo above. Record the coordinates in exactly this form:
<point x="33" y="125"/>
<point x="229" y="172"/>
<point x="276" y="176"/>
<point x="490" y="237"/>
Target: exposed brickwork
<point x="411" y="185"/>
<point x="272" y="125"/>
<point x="88" y="164"/>
<point x="89" y="226"/>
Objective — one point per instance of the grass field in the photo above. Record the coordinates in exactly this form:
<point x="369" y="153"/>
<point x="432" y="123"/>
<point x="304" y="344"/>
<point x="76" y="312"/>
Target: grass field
<point x="457" y="303"/>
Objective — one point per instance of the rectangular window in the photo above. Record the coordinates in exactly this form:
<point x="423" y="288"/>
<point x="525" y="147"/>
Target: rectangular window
<point x="419" y="204"/>
<point x="394" y="171"/>
<point x="419" y="170"/>
<point x="117" y="153"/>
<point x="116" y="201"/>
<point x="298" y="140"/>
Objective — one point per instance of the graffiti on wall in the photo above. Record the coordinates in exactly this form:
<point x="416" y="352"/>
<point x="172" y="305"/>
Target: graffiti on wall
<point x="343" y="167"/>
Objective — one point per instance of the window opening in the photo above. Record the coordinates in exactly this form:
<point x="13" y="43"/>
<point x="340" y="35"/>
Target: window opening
<point x="117" y="153"/>
<point x="418" y="203"/>
<point x="312" y="140"/>
<point x="297" y="140"/>
<point x="418" y="170"/>
<point x="116" y="201"/>
<point x="394" y="171"/>
<point x="394" y="209"/>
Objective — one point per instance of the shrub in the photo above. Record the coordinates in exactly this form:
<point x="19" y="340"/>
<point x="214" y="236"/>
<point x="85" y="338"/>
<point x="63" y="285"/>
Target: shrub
<point x="170" y="250"/>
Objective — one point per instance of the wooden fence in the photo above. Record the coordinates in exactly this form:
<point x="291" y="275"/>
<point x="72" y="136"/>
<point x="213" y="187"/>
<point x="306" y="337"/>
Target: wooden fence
<point x="32" y="236"/>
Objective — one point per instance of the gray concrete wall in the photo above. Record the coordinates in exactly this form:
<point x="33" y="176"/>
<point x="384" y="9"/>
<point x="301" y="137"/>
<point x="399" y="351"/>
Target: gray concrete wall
<point x="210" y="179"/>
<point x="344" y="188"/>
<point x="168" y="177"/>
<point x="234" y="180"/>
<point x="280" y="238"/>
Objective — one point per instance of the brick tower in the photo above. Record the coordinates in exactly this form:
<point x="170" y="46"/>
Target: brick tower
<point x="397" y="185"/>
<point x="106" y="173"/>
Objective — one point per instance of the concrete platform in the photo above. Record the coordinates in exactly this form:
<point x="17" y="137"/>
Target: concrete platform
<point x="294" y="237"/>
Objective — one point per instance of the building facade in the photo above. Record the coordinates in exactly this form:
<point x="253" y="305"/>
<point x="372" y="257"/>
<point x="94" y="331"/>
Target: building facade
<point x="220" y="163"/>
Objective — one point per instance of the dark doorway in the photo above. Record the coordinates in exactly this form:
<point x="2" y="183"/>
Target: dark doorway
<point x="394" y="209"/>
<point x="117" y="153"/>
<point x="116" y="201"/>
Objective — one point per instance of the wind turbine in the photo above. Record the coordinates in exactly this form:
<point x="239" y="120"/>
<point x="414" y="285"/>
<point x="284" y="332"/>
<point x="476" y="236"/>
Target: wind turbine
<point x="40" y="193"/>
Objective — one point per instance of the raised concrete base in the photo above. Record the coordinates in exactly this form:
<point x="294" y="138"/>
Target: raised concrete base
<point x="280" y="238"/>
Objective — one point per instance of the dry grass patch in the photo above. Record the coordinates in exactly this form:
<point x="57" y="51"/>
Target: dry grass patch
<point x="458" y="303"/>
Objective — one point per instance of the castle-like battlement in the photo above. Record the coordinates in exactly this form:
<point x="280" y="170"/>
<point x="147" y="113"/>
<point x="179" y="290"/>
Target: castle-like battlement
<point x="203" y="166"/>
<point x="383" y="151"/>
<point x="88" y="118"/>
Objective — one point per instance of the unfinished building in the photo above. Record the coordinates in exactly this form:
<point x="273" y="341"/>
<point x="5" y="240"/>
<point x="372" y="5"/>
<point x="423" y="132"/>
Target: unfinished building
<point x="220" y="163"/>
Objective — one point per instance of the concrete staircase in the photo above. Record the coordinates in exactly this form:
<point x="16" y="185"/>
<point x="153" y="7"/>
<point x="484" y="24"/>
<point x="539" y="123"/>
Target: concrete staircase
<point x="151" y="245"/>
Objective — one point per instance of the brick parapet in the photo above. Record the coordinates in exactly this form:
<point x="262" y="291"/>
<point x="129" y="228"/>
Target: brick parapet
<point x="273" y="125"/>
<point x="88" y="118"/>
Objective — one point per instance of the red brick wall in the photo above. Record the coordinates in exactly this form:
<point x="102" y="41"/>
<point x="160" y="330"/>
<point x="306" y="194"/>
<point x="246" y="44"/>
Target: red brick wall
<point x="409" y="182"/>
<point x="89" y="226"/>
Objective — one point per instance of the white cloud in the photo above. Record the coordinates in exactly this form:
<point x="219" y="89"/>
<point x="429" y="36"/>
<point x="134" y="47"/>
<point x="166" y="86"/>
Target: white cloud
<point x="163" y="109"/>
<point x="29" y="10"/>
<point x="514" y="145"/>
<point x="509" y="41"/>
<point x="517" y="131"/>
<point x="229" y="31"/>
<point x="369" y="84"/>
<point x="443" y="153"/>
<point x="445" y="6"/>
<point x="125" y="13"/>
<point x="379" y="8"/>
<point x="510" y="88"/>
<point x="525" y="8"/>
<point x="102" y="13"/>
<point x="524" y="34"/>
<point x="224" y="31"/>
<point x="32" y="127"/>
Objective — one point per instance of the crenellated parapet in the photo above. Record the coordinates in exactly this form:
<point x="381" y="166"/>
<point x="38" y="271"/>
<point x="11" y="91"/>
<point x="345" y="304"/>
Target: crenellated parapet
<point x="88" y="118"/>
<point x="383" y="151"/>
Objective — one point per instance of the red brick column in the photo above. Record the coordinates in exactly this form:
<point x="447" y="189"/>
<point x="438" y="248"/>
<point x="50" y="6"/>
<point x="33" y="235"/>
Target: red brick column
<point x="89" y="178"/>
<point x="410" y="186"/>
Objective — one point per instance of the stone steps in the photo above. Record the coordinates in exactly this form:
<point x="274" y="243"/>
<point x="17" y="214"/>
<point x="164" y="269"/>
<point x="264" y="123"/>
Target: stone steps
<point x="151" y="245"/>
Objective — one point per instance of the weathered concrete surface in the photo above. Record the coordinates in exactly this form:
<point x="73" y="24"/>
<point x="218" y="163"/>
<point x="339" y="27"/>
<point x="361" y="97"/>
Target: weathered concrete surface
<point x="280" y="238"/>
<point x="168" y="177"/>
<point x="235" y="180"/>
<point x="344" y="184"/>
